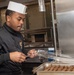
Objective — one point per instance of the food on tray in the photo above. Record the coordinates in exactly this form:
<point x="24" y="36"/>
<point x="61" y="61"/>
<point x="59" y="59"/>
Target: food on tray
<point x="71" y="68"/>
<point x="59" y="68"/>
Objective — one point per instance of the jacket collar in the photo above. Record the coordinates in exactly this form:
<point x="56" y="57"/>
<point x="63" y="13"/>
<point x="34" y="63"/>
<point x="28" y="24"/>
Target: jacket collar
<point x="10" y="29"/>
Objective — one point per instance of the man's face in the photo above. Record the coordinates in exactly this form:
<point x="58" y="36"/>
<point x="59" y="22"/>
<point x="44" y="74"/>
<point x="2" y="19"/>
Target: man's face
<point x="15" y="21"/>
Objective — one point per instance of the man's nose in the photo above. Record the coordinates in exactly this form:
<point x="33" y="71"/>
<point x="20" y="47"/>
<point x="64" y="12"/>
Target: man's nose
<point x="21" y="21"/>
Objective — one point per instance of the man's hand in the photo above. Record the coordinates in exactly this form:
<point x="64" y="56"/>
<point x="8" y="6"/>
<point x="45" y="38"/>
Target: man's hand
<point x="17" y="57"/>
<point x="32" y="53"/>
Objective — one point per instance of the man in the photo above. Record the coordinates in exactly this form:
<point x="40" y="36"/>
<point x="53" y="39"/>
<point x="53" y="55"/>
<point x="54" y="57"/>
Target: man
<point x="11" y="55"/>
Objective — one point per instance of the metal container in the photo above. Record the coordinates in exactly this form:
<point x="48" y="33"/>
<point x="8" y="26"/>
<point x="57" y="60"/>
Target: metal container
<point x="54" y="73"/>
<point x="40" y="69"/>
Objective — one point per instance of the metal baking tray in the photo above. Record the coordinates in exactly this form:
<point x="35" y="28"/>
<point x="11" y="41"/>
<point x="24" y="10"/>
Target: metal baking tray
<point x="54" y="73"/>
<point x="39" y="69"/>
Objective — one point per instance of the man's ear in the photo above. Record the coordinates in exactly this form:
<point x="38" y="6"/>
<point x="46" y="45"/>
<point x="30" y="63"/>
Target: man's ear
<point x="8" y="18"/>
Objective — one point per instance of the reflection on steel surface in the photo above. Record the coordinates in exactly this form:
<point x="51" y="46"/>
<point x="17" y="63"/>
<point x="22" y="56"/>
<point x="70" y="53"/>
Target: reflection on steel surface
<point x="65" y="24"/>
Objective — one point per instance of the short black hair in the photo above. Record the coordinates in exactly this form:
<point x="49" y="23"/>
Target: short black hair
<point x="8" y="13"/>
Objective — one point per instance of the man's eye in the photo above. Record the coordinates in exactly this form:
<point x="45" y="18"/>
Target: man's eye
<point x="18" y="19"/>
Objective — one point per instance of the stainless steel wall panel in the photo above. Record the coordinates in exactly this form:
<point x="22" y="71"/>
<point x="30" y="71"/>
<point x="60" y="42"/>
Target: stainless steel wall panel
<point x="64" y="5"/>
<point x="65" y="24"/>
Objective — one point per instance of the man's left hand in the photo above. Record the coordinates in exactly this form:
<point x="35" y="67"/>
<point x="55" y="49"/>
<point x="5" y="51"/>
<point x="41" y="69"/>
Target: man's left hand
<point x="32" y="53"/>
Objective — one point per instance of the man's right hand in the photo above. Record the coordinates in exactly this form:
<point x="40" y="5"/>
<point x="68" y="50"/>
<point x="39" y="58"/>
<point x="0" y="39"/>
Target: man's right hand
<point x="17" y="57"/>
